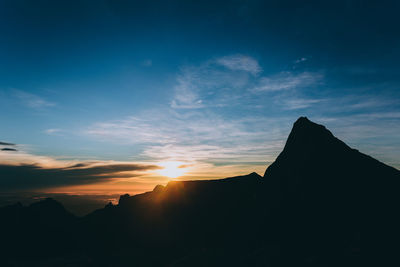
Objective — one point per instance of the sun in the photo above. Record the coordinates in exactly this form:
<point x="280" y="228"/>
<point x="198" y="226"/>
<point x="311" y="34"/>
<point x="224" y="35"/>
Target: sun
<point x="172" y="169"/>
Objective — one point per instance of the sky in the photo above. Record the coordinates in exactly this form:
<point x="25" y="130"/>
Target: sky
<point x="109" y="97"/>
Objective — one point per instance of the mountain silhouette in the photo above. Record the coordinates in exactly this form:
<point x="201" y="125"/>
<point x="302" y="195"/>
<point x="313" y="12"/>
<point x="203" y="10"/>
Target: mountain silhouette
<point x="332" y="200"/>
<point x="321" y="203"/>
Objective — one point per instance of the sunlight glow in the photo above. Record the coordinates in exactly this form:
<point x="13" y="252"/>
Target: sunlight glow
<point x="172" y="169"/>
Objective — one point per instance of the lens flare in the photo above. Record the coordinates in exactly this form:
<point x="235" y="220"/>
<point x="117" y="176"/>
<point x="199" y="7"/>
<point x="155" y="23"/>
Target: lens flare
<point x="172" y="169"/>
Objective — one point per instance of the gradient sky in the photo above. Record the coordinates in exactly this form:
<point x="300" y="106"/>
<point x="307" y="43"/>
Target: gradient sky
<point x="95" y="96"/>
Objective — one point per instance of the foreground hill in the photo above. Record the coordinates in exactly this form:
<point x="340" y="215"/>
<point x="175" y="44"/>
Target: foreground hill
<point x="321" y="203"/>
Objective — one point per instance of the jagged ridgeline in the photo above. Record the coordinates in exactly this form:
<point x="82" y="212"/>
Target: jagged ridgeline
<point x="321" y="203"/>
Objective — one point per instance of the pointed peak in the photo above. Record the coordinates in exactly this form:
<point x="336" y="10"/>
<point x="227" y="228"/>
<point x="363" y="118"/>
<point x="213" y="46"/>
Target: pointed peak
<point x="307" y="135"/>
<point x="303" y="126"/>
<point x="307" y="140"/>
<point x="304" y="122"/>
<point x="302" y="119"/>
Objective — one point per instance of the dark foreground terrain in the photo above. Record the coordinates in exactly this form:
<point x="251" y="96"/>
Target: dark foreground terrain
<point x="321" y="203"/>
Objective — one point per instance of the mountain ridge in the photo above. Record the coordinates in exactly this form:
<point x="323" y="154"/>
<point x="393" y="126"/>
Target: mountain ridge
<point x="320" y="203"/>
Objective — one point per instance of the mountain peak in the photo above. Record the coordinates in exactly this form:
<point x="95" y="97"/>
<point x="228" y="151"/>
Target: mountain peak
<point x="312" y="147"/>
<point x="303" y="124"/>
<point x="302" y="119"/>
<point x="306" y="134"/>
<point x="308" y="140"/>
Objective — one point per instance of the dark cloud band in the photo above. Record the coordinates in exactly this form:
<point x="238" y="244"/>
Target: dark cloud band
<point x="8" y="149"/>
<point x="6" y="144"/>
<point x="24" y="177"/>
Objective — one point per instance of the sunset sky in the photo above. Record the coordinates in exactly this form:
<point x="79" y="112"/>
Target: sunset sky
<point x="110" y="97"/>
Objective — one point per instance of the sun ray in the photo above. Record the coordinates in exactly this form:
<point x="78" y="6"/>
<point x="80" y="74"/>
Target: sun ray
<point x="172" y="169"/>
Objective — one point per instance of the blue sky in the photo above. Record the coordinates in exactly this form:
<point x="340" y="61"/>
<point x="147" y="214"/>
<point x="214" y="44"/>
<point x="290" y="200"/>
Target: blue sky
<point x="213" y="85"/>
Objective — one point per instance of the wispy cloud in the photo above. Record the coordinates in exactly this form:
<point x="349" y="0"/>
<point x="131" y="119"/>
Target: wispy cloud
<point x="300" y="103"/>
<point x="187" y="90"/>
<point x="287" y="80"/>
<point x="356" y="104"/>
<point x="241" y="63"/>
<point x="32" y="100"/>
<point x="166" y="127"/>
<point x="302" y="59"/>
<point x="198" y="138"/>
<point x="366" y="102"/>
<point x="206" y="85"/>
<point x="133" y="130"/>
<point x="53" y="131"/>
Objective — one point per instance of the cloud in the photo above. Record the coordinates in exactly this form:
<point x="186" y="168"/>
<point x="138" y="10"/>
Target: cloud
<point x="32" y="101"/>
<point x="207" y="85"/>
<point x="215" y="153"/>
<point x="21" y="170"/>
<point x="187" y="90"/>
<point x="167" y="127"/>
<point x="8" y="149"/>
<point x="287" y="81"/>
<point x="302" y="59"/>
<point x="6" y="144"/>
<point x="300" y="103"/>
<point x="133" y="129"/>
<point x="357" y="104"/>
<point x="368" y="102"/>
<point x="201" y="139"/>
<point x="36" y="177"/>
<point x="240" y="63"/>
<point x="53" y="131"/>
